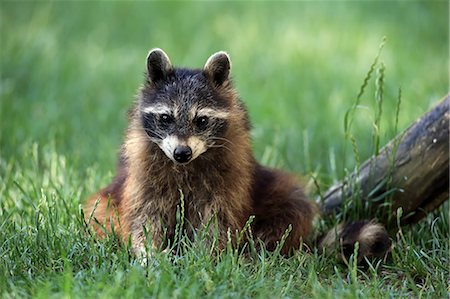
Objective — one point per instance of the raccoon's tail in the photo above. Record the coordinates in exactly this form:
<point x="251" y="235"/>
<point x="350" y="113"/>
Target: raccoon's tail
<point x="372" y="238"/>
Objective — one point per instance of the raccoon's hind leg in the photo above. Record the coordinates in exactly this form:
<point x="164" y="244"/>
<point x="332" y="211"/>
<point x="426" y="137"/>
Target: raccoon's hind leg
<point x="101" y="213"/>
<point x="279" y="202"/>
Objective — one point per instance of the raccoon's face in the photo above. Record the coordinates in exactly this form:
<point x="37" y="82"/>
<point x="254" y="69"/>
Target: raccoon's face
<point x="181" y="110"/>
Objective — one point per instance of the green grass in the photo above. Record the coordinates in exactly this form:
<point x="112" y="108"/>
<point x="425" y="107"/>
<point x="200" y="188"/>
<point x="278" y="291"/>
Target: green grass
<point x="69" y="71"/>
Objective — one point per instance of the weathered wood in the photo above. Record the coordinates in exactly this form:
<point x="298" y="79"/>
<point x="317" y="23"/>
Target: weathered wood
<point x="416" y="164"/>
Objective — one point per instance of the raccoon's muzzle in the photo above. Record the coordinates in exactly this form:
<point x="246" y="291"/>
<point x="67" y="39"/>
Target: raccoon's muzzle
<point x="182" y="150"/>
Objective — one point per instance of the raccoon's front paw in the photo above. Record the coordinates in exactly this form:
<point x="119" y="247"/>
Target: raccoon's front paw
<point x="144" y="256"/>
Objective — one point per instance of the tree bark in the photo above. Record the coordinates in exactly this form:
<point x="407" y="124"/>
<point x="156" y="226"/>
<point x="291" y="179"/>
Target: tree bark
<point x="412" y="171"/>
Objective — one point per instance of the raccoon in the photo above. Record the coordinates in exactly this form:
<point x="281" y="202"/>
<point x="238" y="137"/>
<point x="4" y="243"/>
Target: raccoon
<point x="189" y="137"/>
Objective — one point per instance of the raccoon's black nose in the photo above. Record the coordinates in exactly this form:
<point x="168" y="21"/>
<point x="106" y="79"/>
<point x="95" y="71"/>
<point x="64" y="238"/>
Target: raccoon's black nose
<point x="182" y="154"/>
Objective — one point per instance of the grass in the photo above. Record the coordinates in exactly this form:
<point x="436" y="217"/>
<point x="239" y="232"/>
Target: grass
<point x="68" y="73"/>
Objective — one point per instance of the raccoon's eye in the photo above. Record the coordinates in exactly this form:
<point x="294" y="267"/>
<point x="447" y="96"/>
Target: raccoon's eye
<point x="201" y="122"/>
<point x="166" y="119"/>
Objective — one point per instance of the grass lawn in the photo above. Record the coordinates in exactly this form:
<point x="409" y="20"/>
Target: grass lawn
<point x="69" y="71"/>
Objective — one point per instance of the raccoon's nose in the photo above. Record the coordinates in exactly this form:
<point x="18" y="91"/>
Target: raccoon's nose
<point x="182" y="154"/>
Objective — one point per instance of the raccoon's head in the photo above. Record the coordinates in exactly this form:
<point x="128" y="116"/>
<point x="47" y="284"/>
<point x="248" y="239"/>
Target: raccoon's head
<point x="185" y="112"/>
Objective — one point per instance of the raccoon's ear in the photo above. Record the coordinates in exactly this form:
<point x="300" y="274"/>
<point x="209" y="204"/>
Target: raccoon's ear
<point x="217" y="67"/>
<point x="158" y="65"/>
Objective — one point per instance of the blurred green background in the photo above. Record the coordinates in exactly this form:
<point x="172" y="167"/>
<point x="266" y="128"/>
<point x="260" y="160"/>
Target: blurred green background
<point x="69" y="71"/>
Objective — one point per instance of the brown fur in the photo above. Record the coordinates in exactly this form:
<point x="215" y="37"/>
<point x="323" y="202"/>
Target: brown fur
<point x="225" y="182"/>
<point x="152" y="189"/>
<point x="372" y="238"/>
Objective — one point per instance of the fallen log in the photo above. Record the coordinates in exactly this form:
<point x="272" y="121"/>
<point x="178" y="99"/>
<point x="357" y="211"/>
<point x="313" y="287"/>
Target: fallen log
<point x="412" y="170"/>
